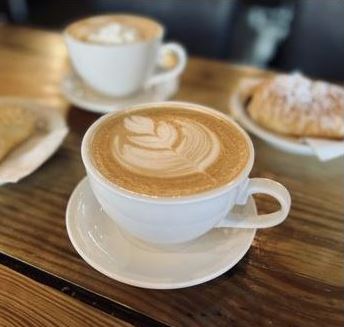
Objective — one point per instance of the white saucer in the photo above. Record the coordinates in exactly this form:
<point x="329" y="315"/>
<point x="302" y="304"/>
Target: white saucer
<point x="102" y="245"/>
<point x="239" y="113"/>
<point x="82" y="96"/>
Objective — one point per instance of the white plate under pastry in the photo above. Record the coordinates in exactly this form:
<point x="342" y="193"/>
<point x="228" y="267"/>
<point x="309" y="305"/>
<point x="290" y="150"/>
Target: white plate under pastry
<point x="32" y="153"/>
<point x="82" y="96"/>
<point x="239" y="113"/>
<point x="103" y="246"/>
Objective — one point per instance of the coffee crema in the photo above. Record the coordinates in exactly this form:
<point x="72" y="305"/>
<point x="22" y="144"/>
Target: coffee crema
<point x="114" y="29"/>
<point x="168" y="152"/>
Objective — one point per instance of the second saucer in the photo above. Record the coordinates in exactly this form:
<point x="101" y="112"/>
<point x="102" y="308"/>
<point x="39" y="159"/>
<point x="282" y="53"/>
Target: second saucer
<point x="82" y="96"/>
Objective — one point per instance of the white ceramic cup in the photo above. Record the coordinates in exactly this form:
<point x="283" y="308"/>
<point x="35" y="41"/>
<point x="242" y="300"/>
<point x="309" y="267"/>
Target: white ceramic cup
<point x="165" y="221"/>
<point x="122" y="69"/>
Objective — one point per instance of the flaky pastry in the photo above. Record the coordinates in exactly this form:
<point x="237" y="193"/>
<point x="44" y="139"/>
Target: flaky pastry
<point x="16" y="125"/>
<point x="297" y="106"/>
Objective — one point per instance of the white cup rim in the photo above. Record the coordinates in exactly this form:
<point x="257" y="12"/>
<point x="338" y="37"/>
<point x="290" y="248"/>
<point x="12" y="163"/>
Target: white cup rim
<point x="92" y="170"/>
<point x="68" y="35"/>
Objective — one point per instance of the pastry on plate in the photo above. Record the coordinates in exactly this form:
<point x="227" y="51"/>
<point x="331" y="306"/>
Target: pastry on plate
<point x="294" y="105"/>
<point x="17" y="124"/>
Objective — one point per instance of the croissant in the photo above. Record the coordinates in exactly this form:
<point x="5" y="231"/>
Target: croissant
<point x="297" y="106"/>
<point x="16" y="125"/>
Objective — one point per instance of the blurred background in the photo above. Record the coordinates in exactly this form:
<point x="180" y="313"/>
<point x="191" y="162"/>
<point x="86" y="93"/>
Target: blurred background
<point x="288" y="35"/>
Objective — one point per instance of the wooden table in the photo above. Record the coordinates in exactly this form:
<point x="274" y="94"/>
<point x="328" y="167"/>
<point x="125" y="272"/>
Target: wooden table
<point x="292" y="276"/>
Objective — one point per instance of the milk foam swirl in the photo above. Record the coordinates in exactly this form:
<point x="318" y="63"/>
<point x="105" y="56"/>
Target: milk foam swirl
<point x="114" y="33"/>
<point x="168" y="149"/>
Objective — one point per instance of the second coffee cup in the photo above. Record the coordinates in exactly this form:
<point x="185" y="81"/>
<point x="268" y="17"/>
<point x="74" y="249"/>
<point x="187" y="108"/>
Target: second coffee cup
<point x="117" y="54"/>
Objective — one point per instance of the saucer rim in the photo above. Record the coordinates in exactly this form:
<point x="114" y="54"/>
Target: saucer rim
<point x="134" y="282"/>
<point x="98" y="108"/>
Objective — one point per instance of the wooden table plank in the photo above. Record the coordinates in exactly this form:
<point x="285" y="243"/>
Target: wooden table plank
<point x="292" y="275"/>
<point x="32" y="64"/>
<point x="24" y="302"/>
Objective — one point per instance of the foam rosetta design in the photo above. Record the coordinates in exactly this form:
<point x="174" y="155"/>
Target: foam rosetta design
<point x="114" y="33"/>
<point x="167" y="149"/>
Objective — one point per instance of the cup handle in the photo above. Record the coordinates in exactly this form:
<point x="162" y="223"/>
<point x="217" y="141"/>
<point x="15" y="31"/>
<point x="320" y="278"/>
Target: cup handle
<point x="176" y="70"/>
<point x="259" y="185"/>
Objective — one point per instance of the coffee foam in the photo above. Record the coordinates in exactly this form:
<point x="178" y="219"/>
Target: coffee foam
<point x="114" y="33"/>
<point x="168" y="151"/>
<point x="114" y="29"/>
<point x="165" y="148"/>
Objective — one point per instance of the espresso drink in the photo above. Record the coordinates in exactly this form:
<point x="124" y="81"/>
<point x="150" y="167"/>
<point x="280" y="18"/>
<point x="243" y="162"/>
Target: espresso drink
<point x="168" y="152"/>
<point x="114" y="29"/>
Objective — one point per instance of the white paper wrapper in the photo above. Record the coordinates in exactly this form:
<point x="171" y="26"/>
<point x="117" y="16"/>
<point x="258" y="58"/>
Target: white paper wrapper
<point x="31" y="154"/>
<point x="324" y="149"/>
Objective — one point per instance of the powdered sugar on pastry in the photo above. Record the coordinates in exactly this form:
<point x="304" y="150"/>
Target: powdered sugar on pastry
<point x="295" y="105"/>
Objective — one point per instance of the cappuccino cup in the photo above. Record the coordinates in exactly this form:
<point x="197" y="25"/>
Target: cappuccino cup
<point x="169" y="172"/>
<point x="117" y="55"/>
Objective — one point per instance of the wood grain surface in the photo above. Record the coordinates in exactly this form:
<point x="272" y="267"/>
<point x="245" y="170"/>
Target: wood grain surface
<point x="293" y="275"/>
<point x="24" y="302"/>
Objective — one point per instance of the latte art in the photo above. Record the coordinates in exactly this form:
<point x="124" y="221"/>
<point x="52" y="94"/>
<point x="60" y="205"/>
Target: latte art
<point x="114" y="29"/>
<point x="114" y="33"/>
<point x="166" y="149"/>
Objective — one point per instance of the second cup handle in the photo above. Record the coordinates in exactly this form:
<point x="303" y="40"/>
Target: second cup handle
<point x="260" y="185"/>
<point x="165" y="76"/>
